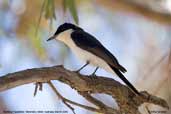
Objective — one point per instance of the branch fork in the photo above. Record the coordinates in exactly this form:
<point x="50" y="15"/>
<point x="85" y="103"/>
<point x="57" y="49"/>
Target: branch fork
<point x="127" y="101"/>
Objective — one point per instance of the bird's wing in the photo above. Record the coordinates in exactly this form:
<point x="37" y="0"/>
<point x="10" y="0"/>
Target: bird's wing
<point x="88" y="42"/>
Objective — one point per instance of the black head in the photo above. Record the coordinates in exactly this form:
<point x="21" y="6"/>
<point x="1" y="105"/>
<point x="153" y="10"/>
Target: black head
<point x="64" y="27"/>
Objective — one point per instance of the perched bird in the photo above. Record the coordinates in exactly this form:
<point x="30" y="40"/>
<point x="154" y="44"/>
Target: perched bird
<point x="89" y="49"/>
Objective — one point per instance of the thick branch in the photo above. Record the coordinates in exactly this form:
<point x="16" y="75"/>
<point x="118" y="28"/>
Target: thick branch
<point x="127" y="101"/>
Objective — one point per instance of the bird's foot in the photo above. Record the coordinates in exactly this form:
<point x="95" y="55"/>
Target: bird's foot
<point x="93" y="76"/>
<point x="77" y="71"/>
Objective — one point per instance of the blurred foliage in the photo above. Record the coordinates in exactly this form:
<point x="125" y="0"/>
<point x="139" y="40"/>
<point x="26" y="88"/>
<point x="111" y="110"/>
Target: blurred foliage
<point x="29" y="17"/>
<point x="70" y="4"/>
<point x="39" y="13"/>
<point x="49" y="9"/>
<point x="37" y="43"/>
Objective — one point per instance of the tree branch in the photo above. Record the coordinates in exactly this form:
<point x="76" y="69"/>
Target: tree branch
<point x="127" y="101"/>
<point x="69" y="101"/>
<point x="131" y="6"/>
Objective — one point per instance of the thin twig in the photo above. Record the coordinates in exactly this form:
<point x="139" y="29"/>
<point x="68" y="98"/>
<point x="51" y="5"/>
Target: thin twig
<point x="92" y="99"/>
<point x="69" y="106"/>
<point x="35" y="90"/>
<point x="148" y="110"/>
<point x="61" y="97"/>
<point x="71" y="102"/>
<point x="38" y="85"/>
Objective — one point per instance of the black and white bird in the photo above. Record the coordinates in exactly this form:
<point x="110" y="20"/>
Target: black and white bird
<point x="90" y="50"/>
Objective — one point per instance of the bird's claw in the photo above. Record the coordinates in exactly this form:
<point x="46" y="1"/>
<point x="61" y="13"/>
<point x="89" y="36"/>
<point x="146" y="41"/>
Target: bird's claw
<point x="93" y="76"/>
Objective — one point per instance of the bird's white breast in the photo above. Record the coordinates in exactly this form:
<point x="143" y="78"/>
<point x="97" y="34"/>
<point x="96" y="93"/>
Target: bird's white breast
<point x="84" y="55"/>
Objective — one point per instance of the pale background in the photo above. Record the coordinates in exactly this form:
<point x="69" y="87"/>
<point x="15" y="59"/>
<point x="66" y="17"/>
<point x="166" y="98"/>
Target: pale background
<point x="141" y="45"/>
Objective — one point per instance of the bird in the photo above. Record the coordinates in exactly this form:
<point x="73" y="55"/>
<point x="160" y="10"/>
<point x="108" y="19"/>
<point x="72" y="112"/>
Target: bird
<point x="87" y="48"/>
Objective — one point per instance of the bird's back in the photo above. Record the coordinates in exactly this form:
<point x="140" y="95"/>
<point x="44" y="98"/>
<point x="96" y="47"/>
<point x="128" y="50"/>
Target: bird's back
<point x="88" y="42"/>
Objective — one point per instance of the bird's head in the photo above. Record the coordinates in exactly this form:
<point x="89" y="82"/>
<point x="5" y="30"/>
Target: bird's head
<point x="64" y="27"/>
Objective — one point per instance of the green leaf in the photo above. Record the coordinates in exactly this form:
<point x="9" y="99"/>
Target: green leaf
<point x="40" y="17"/>
<point x="36" y="43"/>
<point x="64" y="5"/>
<point x="70" y="4"/>
<point x="49" y="9"/>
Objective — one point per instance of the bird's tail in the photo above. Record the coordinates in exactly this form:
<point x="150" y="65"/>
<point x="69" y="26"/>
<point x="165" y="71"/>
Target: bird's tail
<point x="121" y="68"/>
<point x="122" y="77"/>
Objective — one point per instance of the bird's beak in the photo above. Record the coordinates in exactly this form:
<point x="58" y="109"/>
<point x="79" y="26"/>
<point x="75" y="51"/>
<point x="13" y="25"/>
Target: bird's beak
<point x="51" y="38"/>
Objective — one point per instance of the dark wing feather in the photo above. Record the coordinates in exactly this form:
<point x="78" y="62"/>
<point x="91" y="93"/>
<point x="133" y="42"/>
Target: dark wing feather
<point x="88" y="42"/>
